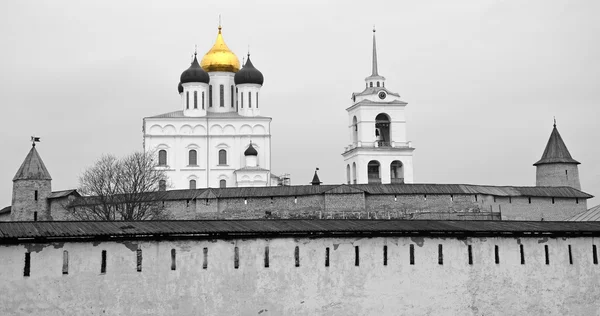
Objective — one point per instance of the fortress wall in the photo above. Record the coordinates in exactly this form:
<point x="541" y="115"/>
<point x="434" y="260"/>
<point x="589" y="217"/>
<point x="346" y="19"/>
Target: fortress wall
<point x="182" y="286"/>
<point x="519" y="208"/>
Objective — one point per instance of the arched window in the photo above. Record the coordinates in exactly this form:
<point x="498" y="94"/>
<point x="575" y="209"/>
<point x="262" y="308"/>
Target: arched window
<point x="237" y="102"/>
<point x="242" y="98"/>
<point x="377" y="83"/>
<point x="187" y="99"/>
<point x="382" y="130"/>
<point x="348" y="173"/>
<point x="193" y="158"/>
<point x="222" y="96"/>
<point x="162" y="157"/>
<point x="222" y="157"/>
<point x="371" y="84"/>
<point x="232" y="95"/>
<point x="249" y="99"/>
<point x="354" y="130"/>
<point x="257" y="100"/>
<point x="203" y="100"/>
<point x="222" y="183"/>
<point x="192" y="184"/>
<point x="195" y="99"/>
<point x="373" y="172"/>
<point x="396" y="172"/>
<point x="354" y="172"/>
<point x="210" y="96"/>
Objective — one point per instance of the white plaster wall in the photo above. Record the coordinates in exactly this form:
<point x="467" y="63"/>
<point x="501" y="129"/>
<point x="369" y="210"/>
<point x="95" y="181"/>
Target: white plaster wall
<point x="218" y="78"/>
<point x="362" y="156"/>
<point x="192" y="87"/>
<point x="425" y="288"/>
<point x="246" y="109"/>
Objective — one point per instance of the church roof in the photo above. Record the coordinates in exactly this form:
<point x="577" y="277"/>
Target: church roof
<point x="556" y="151"/>
<point x="316" y="180"/>
<point x="32" y="168"/>
<point x="179" y="114"/>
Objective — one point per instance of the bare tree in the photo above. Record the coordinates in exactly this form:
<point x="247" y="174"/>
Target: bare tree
<point x="120" y="189"/>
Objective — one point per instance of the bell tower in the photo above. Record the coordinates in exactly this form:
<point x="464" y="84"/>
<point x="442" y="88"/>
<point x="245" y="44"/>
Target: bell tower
<point x="379" y="151"/>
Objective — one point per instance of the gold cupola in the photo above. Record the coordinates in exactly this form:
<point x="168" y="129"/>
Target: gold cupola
<point x="220" y="57"/>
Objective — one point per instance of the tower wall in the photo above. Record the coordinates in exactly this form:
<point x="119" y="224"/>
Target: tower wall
<point x="24" y="202"/>
<point x="557" y="175"/>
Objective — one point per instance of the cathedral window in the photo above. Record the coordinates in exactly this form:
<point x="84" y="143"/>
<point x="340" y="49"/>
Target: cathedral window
<point x="222" y="157"/>
<point x="232" y="96"/>
<point x="195" y="99"/>
<point x="257" y="100"/>
<point x="187" y="99"/>
<point x="249" y="99"/>
<point x="371" y="84"/>
<point x="221" y="96"/>
<point x="192" y="184"/>
<point x="210" y="96"/>
<point x="377" y="83"/>
<point x="162" y="157"/>
<point x="236" y="101"/>
<point x="193" y="158"/>
<point x="203" y="100"/>
<point x="242" y="98"/>
<point x="222" y="184"/>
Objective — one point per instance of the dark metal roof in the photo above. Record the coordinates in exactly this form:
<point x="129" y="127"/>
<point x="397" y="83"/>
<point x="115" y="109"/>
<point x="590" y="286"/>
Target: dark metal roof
<point x="5" y="210"/>
<point x="249" y="74"/>
<point x="32" y="168"/>
<point x="194" y="74"/>
<point x="18" y="231"/>
<point x="556" y="151"/>
<point x="63" y="193"/>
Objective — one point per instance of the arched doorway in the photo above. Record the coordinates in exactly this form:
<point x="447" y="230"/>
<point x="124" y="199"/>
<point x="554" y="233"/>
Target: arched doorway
<point x="397" y="172"/>
<point x="373" y="172"/>
<point x="382" y="130"/>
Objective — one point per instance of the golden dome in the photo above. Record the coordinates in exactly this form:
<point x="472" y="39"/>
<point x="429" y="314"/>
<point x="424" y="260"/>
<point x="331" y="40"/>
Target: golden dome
<point x="220" y="58"/>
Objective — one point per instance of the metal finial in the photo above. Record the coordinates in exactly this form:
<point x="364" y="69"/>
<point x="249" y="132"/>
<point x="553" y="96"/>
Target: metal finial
<point x="374" y="28"/>
<point x="248" y="50"/>
<point x="220" y="23"/>
<point x="34" y="139"/>
<point x="195" y="50"/>
<point x="555" y="121"/>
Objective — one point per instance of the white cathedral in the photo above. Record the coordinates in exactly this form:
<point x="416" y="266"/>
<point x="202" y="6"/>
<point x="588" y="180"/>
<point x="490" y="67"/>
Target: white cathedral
<point x="219" y="139"/>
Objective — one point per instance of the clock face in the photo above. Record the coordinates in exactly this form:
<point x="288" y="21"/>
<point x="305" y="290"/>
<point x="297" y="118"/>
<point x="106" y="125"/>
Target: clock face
<point x="382" y="95"/>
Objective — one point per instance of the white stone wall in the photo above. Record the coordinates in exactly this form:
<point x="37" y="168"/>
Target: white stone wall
<point x="455" y="287"/>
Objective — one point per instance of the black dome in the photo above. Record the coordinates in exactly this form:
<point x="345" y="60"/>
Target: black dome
<point x="250" y="151"/>
<point x="249" y="74"/>
<point x="179" y="88"/>
<point x="194" y="74"/>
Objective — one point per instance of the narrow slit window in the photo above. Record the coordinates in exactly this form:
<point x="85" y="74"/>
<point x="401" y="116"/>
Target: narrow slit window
<point x="221" y="96"/>
<point x="27" y="267"/>
<point x="236" y="257"/>
<point x="249" y="99"/>
<point x="327" y="256"/>
<point x="594" y="254"/>
<point x="173" y="259"/>
<point x="475" y="197"/>
<point x="576" y="200"/>
<point x="356" y="256"/>
<point x="65" y="266"/>
<point x="210" y="96"/>
<point x="385" y="255"/>
<point x="35" y="216"/>
<point x="195" y="99"/>
<point x="570" y="255"/>
<point x="529" y="200"/>
<point x="187" y="99"/>
<point x="257" y="100"/>
<point x="297" y="256"/>
<point x="552" y="200"/>
<point x="205" y="259"/>
<point x="510" y="199"/>
<point x="496" y="254"/>
<point x="412" y="254"/>
<point x="440" y="255"/>
<point x="35" y="195"/>
<point x="103" y="263"/>
<point x="451" y="198"/>
<point x="546" y="252"/>
<point x="267" y="257"/>
<point x="232" y="95"/>
<point x="494" y="199"/>
<point x="138" y="256"/>
<point x="203" y="100"/>
<point x="242" y="99"/>
<point x="522" y="252"/>
<point x="470" y="253"/>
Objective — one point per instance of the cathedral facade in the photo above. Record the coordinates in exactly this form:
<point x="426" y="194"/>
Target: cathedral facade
<point x="218" y="137"/>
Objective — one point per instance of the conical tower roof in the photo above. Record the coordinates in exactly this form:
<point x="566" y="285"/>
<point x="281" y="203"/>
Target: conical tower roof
<point x="316" y="180"/>
<point x="556" y="151"/>
<point x="32" y="168"/>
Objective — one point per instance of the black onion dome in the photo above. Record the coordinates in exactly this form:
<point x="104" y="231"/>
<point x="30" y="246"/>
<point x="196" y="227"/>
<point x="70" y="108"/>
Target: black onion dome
<point x="250" y="151"/>
<point x="179" y="88"/>
<point x="249" y="74"/>
<point x="194" y="74"/>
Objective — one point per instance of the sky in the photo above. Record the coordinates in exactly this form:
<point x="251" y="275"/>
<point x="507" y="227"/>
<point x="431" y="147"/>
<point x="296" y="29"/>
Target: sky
<point x="483" y="80"/>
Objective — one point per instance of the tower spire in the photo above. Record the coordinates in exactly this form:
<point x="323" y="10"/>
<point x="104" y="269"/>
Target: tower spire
<point x="374" y="68"/>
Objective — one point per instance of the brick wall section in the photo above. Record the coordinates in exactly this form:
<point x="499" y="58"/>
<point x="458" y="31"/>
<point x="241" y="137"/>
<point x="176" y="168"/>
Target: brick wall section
<point x="24" y="204"/>
<point x="559" y="174"/>
<point x="518" y="208"/>
<point x="58" y="209"/>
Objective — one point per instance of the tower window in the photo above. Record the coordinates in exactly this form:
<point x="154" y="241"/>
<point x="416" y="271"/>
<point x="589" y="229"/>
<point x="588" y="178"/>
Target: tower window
<point x="162" y="157"/>
<point x="193" y="157"/>
<point x="222" y="184"/>
<point x="192" y="184"/>
<point x="210" y="96"/>
<point x="249" y="99"/>
<point x="232" y="96"/>
<point x="222" y="157"/>
<point x="242" y="98"/>
<point x="203" y="100"/>
<point x="35" y="195"/>
<point x="222" y="96"/>
<point x="257" y="100"/>
<point x="195" y="99"/>
<point x="377" y="83"/>
<point x="371" y="84"/>
<point x="187" y="99"/>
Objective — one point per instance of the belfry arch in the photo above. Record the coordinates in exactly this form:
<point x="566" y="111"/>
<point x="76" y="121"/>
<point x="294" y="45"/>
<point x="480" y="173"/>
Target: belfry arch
<point x="396" y="172"/>
<point x="382" y="130"/>
<point x="354" y="130"/>
<point x="374" y="171"/>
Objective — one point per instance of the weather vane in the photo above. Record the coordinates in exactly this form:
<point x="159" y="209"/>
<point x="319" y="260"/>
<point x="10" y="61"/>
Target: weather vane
<point x="34" y="139"/>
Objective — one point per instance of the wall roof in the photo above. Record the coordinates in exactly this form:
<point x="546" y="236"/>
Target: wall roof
<point x="17" y="231"/>
<point x="593" y="214"/>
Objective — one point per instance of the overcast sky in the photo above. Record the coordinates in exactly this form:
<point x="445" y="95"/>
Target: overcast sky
<point x="483" y="80"/>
